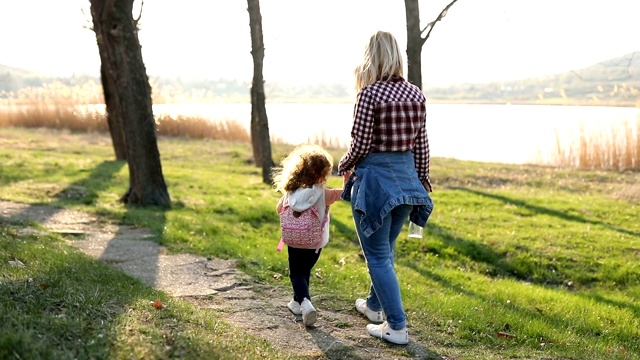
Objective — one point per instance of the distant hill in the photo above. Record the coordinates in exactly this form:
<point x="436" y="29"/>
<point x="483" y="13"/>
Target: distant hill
<point x="12" y="79"/>
<point x="611" y="82"/>
<point x="8" y="70"/>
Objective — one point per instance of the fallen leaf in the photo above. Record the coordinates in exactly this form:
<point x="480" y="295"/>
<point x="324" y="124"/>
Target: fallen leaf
<point x="505" y="335"/>
<point x="43" y="285"/>
<point x="158" y="304"/>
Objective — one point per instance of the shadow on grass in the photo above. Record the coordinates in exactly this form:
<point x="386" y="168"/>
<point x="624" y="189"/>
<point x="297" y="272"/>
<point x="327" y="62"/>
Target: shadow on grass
<point x="62" y="304"/>
<point x="526" y="314"/>
<point x="347" y="231"/>
<point x="458" y="249"/>
<point x="333" y="349"/>
<point x="86" y="191"/>
<point x="633" y="307"/>
<point x="547" y="211"/>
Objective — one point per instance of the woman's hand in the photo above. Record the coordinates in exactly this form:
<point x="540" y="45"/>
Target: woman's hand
<point x="427" y="186"/>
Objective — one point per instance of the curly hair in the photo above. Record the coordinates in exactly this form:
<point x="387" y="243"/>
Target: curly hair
<point x="304" y="167"/>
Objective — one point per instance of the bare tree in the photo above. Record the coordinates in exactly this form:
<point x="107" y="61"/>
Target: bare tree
<point x="260" y="139"/>
<point x="415" y="40"/>
<point x="128" y="99"/>
<point x="114" y="113"/>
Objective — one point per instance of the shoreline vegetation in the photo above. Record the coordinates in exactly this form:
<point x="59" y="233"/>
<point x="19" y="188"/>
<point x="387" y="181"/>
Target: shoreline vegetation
<point x="58" y="106"/>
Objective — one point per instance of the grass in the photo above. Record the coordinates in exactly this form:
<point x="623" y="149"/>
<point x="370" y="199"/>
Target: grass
<point x="518" y="261"/>
<point x="62" y="305"/>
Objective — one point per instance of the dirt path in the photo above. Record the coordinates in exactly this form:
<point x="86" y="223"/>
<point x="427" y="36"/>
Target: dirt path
<point x="217" y="284"/>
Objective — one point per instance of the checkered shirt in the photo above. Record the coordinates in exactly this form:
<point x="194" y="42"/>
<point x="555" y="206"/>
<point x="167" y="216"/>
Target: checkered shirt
<point x="389" y="116"/>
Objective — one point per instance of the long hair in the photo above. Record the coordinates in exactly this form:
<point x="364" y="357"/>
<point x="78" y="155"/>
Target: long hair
<point x="382" y="60"/>
<point x="304" y="167"/>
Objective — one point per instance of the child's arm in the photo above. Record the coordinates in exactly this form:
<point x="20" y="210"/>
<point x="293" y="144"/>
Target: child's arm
<point x="332" y="195"/>
<point x="280" y="205"/>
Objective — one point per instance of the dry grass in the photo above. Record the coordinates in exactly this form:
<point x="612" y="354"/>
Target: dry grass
<point x="78" y="119"/>
<point x="54" y="106"/>
<point x="616" y="147"/>
<point x="630" y="193"/>
<point x="327" y="141"/>
<point x="201" y="128"/>
<point x="81" y="109"/>
<point x="57" y="106"/>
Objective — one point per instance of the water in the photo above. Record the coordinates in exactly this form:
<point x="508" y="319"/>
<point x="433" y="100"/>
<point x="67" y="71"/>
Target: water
<point x="497" y="133"/>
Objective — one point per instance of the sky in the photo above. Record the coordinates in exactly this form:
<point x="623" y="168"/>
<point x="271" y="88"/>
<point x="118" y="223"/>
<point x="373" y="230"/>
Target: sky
<point x="323" y="41"/>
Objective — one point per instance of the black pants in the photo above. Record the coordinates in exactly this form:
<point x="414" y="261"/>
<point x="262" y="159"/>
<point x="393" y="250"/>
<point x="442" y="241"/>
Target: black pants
<point x="301" y="261"/>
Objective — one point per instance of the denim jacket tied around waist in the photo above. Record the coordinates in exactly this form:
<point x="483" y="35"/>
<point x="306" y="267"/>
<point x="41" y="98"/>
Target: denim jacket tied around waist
<point x="383" y="181"/>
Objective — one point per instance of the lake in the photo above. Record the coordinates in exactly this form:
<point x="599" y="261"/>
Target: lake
<point x="495" y="133"/>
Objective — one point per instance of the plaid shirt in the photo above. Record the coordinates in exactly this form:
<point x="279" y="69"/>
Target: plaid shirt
<point x="389" y="116"/>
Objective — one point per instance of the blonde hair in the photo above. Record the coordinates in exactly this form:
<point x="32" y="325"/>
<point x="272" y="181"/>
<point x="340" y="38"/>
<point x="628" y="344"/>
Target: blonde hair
<point x="304" y="167"/>
<point x="382" y="60"/>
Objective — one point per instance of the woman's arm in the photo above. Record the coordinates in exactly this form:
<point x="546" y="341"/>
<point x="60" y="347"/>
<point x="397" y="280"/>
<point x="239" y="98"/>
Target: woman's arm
<point x="422" y="157"/>
<point x="361" y="132"/>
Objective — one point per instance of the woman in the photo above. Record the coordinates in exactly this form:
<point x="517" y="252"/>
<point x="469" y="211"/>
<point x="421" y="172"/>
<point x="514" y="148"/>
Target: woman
<point x="387" y="166"/>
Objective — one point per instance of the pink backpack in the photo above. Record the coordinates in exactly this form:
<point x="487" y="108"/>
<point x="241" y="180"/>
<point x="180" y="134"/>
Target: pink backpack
<point x="301" y="229"/>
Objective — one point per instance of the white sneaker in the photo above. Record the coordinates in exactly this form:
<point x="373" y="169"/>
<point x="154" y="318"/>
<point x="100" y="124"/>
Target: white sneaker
<point x="383" y="331"/>
<point x="309" y="314"/>
<point x="373" y="316"/>
<point x="294" y="306"/>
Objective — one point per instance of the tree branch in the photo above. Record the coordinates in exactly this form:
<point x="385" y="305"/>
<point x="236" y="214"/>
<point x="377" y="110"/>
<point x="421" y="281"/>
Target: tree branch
<point x="432" y="24"/>
<point x="88" y="24"/>
<point x="135" y="21"/>
<point x="629" y="64"/>
<point x="576" y="74"/>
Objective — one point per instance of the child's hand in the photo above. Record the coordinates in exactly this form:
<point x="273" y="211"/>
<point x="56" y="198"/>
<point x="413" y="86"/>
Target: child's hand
<point x="345" y="178"/>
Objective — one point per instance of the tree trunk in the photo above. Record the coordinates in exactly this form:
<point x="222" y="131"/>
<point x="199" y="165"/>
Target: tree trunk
<point x="260" y="139"/>
<point x="130" y="96"/>
<point x="414" y="43"/>
<point x="114" y="115"/>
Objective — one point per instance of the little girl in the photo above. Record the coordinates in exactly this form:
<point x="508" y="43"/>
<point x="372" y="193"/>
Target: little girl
<point x="302" y="178"/>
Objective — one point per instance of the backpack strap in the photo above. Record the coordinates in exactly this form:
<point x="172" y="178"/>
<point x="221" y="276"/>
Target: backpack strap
<point x="322" y="224"/>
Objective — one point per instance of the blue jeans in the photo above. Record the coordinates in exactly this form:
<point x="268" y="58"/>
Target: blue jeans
<point x="379" y="249"/>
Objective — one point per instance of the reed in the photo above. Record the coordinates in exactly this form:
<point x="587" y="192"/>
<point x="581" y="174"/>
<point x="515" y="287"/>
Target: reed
<point x="326" y="140"/>
<point x="81" y="109"/>
<point x="614" y="148"/>
<point x="196" y="127"/>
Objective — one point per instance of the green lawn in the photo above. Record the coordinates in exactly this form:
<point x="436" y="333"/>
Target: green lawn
<point x="516" y="262"/>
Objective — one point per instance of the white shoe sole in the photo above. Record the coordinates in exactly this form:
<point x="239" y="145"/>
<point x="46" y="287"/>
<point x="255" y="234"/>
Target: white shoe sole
<point x="399" y="337"/>
<point x="309" y="318"/>
<point x="295" y="310"/>
<point x="375" y="317"/>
